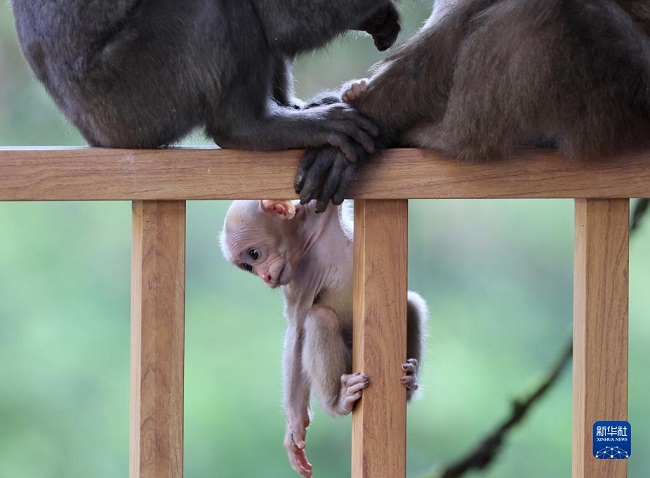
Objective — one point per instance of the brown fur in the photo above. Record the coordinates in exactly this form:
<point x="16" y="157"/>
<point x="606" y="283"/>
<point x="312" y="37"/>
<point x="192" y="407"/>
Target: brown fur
<point x="484" y="76"/>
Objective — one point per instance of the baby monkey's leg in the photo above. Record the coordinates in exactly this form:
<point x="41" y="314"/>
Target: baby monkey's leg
<point x="327" y="362"/>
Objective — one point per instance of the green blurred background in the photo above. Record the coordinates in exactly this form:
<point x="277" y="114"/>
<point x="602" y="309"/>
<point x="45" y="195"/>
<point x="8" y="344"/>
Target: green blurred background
<point x="497" y="276"/>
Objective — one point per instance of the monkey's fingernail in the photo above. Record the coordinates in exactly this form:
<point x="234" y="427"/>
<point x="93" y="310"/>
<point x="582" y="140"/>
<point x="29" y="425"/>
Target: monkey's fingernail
<point x="298" y="181"/>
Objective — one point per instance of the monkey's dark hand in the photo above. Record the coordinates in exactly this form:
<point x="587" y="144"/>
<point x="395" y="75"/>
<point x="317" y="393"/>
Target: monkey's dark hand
<point x="383" y="26"/>
<point x="324" y="174"/>
<point x="344" y="127"/>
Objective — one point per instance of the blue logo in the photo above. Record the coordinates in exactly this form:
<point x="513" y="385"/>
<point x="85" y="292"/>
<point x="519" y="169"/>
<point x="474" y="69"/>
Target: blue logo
<point x="612" y="440"/>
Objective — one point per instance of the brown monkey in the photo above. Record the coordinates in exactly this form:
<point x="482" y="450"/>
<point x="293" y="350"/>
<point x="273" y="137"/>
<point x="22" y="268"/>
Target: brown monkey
<point x="484" y="76"/>
<point x="309" y="256"/>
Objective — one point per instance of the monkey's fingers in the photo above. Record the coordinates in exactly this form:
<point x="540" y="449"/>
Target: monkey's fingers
<point x="411" y="366"/>
<point x="352" y="93"/>
<point x="340" y="114"/>
<point x="348" y="175"/>
<point x="347" y="145"/>
<point x="352" y="387"/>
<point x="355" y="390"/>
<point x="300" y="463"/>
<point x="410" y="382"/>
<point x="367" y="126"/>
<point x="338" y="181"/>
<point x="352" y="379"/>
<point x="332" y="181"/>
<point x="345" y="127"/>
<point x="303" y="168"/>
<point x="342" y="117"/>
<point x="318" y="171"/>
<point x="325" y="174"/>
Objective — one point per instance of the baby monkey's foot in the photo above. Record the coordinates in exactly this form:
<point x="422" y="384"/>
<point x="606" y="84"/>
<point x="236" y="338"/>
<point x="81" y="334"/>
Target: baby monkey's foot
<point x="354" y="91"/>
<point x="351" y="389"/>
<point x="410" y="380"/>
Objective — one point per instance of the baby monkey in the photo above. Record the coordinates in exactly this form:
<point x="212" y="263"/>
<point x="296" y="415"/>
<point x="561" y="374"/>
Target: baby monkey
<point x="309" y="256"/>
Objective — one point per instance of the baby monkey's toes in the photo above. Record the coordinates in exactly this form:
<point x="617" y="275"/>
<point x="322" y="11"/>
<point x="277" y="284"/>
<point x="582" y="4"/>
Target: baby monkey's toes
<point x="410" y="380"/>
<point x="354" y="91"/>
<point x="351" y="390"/>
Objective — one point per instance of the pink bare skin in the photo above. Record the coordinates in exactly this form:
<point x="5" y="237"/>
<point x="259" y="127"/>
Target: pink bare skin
<point x="309" y="256"/>
<point x="354" y="91"/>
<point x="410" y="379"/>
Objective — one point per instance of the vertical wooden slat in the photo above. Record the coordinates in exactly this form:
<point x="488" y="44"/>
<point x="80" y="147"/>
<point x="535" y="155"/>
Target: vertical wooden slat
<point x="380" y="269"/>
<point x="600" y="322"/>
<point x="157" y="339"/>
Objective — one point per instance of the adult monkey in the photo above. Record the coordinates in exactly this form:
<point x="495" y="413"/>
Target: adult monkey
<point x="142" y="74"/>
<point x="483" y="76"/>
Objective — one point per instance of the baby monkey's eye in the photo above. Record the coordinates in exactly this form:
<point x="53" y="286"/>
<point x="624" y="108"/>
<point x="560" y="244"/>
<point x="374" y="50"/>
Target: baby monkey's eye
<point x="246" y="267"/>
<point x="254" y="254"/>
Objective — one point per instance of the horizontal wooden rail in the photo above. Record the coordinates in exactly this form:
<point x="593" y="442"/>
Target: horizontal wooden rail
<point x="84" y="174"/>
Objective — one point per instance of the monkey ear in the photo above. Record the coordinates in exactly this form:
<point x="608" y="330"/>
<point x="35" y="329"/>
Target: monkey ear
<point x="284" y="208"/>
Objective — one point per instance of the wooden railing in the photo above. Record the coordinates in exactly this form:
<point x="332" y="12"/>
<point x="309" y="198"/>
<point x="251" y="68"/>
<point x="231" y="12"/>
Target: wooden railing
<point x="159" y="182"/>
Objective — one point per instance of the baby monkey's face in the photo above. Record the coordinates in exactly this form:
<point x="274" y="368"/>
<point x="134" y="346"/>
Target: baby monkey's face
<point x="269" y="263"/>
<point x="259" y="237"/>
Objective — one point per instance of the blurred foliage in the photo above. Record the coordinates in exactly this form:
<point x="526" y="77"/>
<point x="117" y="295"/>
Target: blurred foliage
<point x="497" y="276"/>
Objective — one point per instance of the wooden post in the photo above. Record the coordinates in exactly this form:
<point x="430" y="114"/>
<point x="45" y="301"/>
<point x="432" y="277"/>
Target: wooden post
<point x="157" y="339"/>
<point x="600" y="323"/>
<point x="379" y="341"/>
